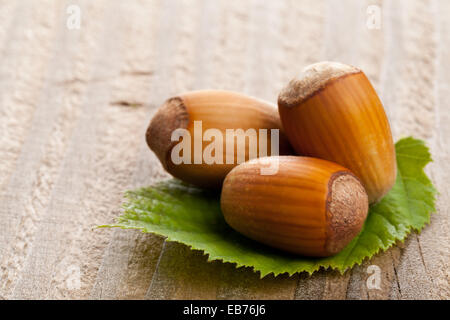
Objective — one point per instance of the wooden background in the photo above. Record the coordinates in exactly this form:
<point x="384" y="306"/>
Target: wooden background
<point x="74" y="106"/>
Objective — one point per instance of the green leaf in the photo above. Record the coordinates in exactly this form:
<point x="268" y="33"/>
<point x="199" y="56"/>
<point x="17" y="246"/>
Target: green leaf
<point x="192" y="216"/>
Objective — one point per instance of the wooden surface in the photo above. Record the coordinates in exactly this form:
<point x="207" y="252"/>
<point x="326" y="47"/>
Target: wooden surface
<point x="74" y="105"/>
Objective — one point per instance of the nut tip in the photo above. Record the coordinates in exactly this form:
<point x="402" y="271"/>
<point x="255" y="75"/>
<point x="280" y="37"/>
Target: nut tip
<point x="170" y="116"/>
<point x="347" y="207"/>
<point x="312" y="78"/>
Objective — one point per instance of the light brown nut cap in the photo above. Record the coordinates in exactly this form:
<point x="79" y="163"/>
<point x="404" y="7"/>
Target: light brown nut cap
<point x="347" y="206"/>
<point x="170" y="116"/>
<point x="312" y="79"/>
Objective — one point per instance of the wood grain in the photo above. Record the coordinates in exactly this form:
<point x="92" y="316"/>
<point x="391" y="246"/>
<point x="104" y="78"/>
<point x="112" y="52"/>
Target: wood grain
<point x="74" y="105"/>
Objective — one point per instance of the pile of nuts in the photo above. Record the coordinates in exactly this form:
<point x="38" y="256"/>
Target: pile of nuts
<point x="333" y="154"/>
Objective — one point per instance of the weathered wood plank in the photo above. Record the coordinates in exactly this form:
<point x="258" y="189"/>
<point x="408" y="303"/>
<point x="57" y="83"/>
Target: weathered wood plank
<point x="24" y="126"/>
<point x="20" y="78"/>
<point x="124" y="261"/>
<point x="91" y="175"/>
<point x="412" y="110"/>
<point x="435" y="239"/>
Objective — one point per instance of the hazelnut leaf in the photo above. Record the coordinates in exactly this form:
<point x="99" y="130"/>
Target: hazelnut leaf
<point x="192" y="216"/>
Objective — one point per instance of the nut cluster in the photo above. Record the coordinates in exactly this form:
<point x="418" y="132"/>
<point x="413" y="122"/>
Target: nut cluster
<point x="333" y="152"/>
